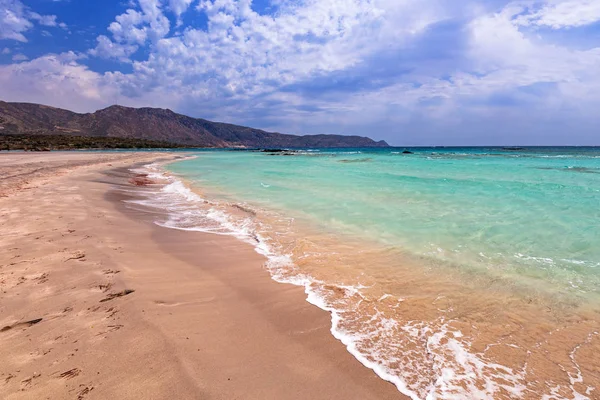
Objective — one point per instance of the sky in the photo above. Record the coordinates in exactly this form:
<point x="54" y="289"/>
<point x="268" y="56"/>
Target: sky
<point x="411" y="72"/>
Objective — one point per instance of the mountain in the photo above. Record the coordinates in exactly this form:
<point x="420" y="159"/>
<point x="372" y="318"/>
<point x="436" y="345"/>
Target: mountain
<point x="159" y="125"/>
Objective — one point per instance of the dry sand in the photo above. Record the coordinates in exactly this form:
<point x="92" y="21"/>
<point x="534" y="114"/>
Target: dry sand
<point x="203" y="321"/>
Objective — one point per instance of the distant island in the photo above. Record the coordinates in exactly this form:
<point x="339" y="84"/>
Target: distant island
<point x="31" y="126"/>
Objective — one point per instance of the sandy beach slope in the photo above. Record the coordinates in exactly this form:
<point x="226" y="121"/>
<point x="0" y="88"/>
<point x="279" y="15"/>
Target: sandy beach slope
<point x="97" y="302"/>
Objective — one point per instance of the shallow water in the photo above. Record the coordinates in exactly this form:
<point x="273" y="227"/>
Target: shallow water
<point x="453" y="273"/>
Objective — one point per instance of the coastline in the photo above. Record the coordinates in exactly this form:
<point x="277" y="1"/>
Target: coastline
<point x="425" y="329"/>
<point x="205" y="319"/>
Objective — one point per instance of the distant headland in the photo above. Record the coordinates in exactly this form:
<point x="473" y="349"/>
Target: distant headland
<point x="153" y="126"/>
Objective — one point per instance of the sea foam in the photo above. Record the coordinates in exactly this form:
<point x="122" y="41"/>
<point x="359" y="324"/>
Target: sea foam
<point x="439" y="350"/>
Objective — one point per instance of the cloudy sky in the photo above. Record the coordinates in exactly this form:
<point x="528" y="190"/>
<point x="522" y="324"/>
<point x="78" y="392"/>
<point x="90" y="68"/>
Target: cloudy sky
<point x="413" y="72"/>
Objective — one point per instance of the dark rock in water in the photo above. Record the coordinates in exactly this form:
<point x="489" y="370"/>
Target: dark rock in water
<point x="357" y="160"/>
<point x="513" y="148"/>
<point x="279" y="152"/>
<point x="245" y="209"/>
<point x="583" y="170"/>
<point x="407" y="152"/>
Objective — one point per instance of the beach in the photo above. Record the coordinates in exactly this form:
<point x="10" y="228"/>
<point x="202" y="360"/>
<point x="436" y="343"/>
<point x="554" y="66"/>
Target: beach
<point x="97" y="301"/>
<point x="458" y="273"/>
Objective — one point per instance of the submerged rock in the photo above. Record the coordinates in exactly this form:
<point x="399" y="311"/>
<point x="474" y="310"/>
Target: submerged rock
<point x="279" y="152"/>
<point x="357" y="160"/>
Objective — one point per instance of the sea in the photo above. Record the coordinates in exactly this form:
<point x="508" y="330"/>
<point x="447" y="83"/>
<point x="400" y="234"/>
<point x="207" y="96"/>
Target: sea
<point x="453" y="273"/>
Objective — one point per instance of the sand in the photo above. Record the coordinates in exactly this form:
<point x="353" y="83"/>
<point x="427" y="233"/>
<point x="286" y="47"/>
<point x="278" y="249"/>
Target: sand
<point x="98" y="302"/>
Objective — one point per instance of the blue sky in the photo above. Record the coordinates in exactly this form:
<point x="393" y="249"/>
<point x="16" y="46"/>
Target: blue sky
<point x="412" y="72"/>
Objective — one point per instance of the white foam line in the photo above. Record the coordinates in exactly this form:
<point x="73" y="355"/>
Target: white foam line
<point x="351" y="345"/>
<point x="176" y="198"/>
<point x="277" y="265"/>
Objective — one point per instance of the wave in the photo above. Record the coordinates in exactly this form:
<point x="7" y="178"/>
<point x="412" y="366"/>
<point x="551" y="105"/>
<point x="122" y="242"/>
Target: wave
<point x="424" y="360"/>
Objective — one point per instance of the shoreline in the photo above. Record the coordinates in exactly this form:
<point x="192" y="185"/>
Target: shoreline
<point x="215" y="326"/>
<point x="480" y="337"/>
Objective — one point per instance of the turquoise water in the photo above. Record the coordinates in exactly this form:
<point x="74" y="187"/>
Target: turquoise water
<point x="530" y="213"/>
<point x="454" y="273"/>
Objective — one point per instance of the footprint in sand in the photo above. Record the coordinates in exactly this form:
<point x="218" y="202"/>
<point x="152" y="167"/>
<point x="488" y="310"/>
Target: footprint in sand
<point x="43" y="278"/>
<point x="25" y="383"/>
<point x="78" y="255"/>
<point x="83" y="392"/>
<point x="112" y="296"/>
<point x="110" y="272"/>
<point x="166" y="304"/>
<point x="8" y="378"/>
<point x="105" y="287"/>
<point x="21" y="324"/>
<point x="174" y="304"/>
<point x="70" y="374"/>
<point x="111" y="312"/>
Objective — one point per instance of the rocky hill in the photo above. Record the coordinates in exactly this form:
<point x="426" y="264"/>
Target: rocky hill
<point x="158" y="125"/>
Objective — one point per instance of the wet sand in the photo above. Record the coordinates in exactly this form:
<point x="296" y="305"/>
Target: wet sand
<point x="97" y="302"/>
<point x="440" y="331"/>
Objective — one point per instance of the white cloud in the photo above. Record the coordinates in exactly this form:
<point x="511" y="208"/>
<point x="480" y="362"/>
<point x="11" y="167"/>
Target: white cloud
<point x="16" y="19"/>
<point x="57" y="77"/>
<point x="13" y="20"/>
<point x="6" y="50"/>
<point x="106" y="48"/>
<point x="45" y="20"/>
<point x="20" y="57"/>
<point x="508" y="58"/>
<point x="125" y="28"/>
<point x="61" y="80"/>
<point x="343" y="63"/>
<point x="132" y="29"/>
<point x="245" y="54"/>
<point x="563" y="14"/>
<point x="502" y="69"/>
<point x="178" y="7"/>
